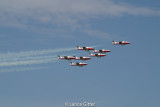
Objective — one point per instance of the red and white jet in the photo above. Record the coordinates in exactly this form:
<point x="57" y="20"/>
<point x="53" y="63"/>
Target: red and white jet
<point x="97" y="55"/>
<point x="84" y="48"/>
<point x="66" y="57"/>
<point x="120" y="43"/>
<point x="83" y="58"/>
<point x="101" y="51"/>
<point x="80" y="64"/>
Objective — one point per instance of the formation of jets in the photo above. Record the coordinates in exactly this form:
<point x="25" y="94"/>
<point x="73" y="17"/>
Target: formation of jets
<point x="74" y="57"/>
<point x="98" y="53"/>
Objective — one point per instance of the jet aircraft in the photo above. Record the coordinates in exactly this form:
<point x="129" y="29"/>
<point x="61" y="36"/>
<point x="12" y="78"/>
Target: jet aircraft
<point x="80" y="64"/>
<point x="66" y="57"/>
<point x="101" y="51"/>
<point x="84" y="48"/>
<point x="97" y="55"/>
<point x="82" y="58"/>
<point x="120" y="43"/>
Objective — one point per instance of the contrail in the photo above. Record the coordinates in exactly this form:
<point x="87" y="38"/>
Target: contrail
<point x="22" y="69"/>
<point x="26" y="58"/>
<point x="30" y="57"/>
<point x="34" y="53"/>
<point x="27" y="62"/>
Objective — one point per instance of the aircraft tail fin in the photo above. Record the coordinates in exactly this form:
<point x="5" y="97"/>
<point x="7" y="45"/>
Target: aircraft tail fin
<point x="113" y="42"/>
<point x="77" y="47"/>
<point x="95" y="50"/>
<point x="71" y="63"/>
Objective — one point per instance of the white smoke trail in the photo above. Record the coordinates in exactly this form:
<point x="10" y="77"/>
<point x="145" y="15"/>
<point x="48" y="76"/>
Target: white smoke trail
<point x="27" y="62"/>
<point x="33" y="53"/>
<point x="22" y="69"/>
<point x="30" y="57"/>
<point x="26" y="58"/>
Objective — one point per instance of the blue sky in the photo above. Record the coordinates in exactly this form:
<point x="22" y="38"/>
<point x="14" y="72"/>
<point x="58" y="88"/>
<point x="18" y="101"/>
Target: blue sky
<point x="34" y="32"/>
